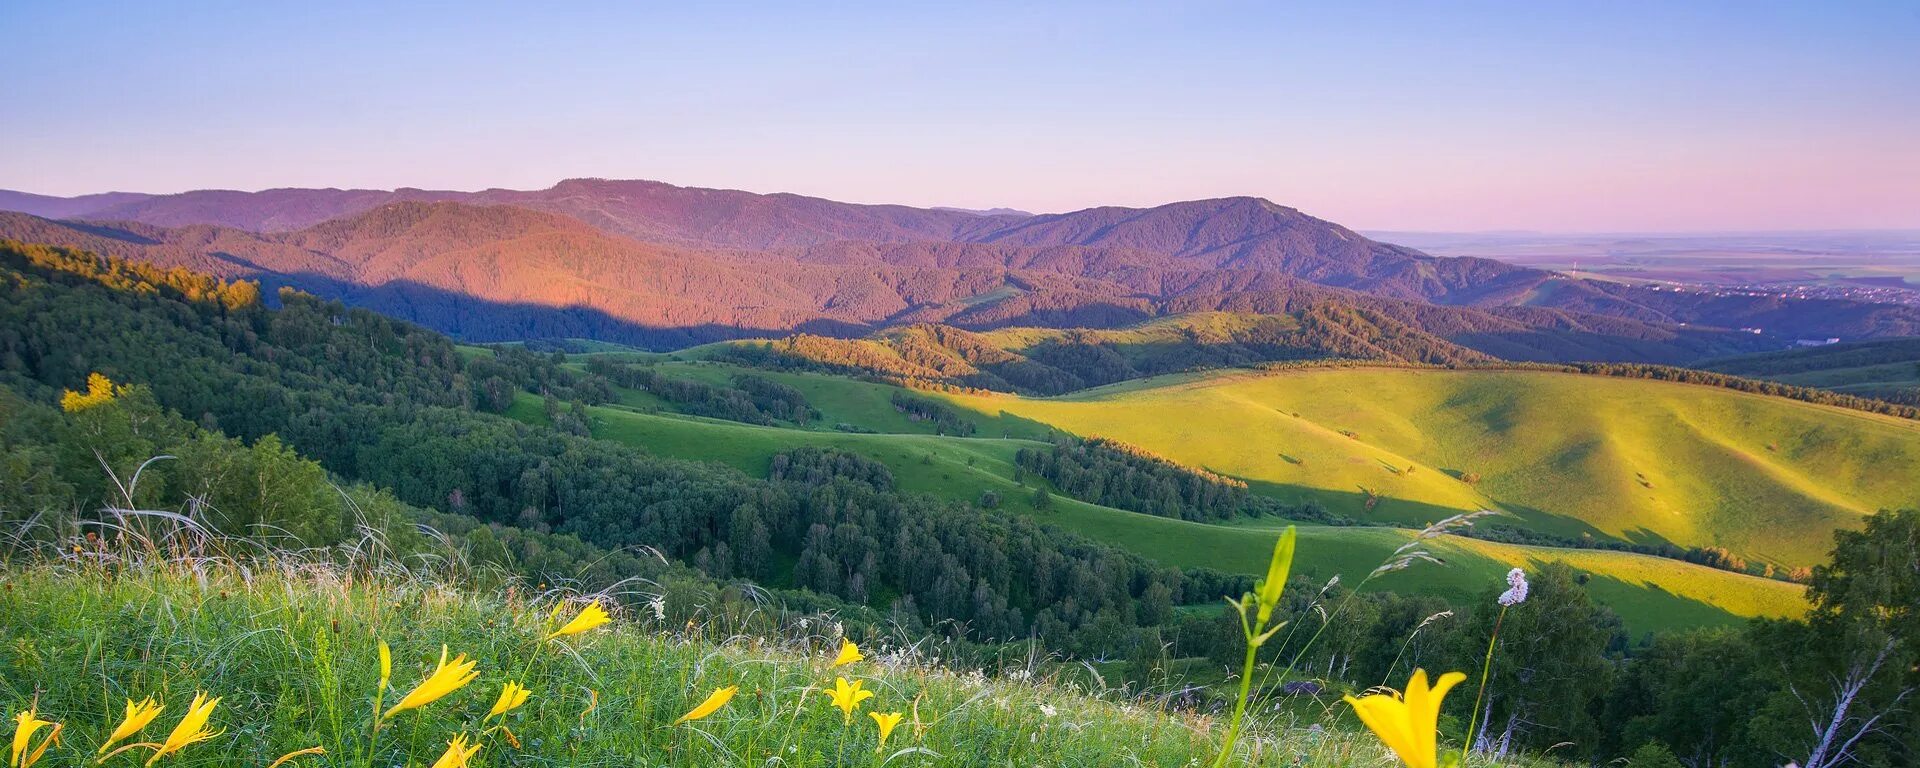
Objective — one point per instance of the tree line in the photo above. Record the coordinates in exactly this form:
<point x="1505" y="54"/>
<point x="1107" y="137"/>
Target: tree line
<point x="1114" y="474"/>
<point x="751" y="399"/>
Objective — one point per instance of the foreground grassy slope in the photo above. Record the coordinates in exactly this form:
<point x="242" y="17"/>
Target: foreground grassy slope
<point x="1649" y="593"/>
<point x="1569" y="454"/>
<point x="293" y="658"/>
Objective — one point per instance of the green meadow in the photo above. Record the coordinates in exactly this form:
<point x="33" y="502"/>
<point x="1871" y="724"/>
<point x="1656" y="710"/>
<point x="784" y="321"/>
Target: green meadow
<point x="1649" y="593"/>
<point x="1567" y="454"/>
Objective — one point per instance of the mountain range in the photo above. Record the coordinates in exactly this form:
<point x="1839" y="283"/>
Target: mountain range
<point x="659" y="265"/>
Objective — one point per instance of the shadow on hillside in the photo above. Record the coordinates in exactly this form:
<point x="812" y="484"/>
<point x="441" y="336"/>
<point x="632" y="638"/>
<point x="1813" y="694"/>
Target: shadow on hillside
<point x="472" y="319"/>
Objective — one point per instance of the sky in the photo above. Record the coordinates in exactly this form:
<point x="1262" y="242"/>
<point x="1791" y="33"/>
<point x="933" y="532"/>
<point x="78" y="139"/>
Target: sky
<point x="1444" y="116"/>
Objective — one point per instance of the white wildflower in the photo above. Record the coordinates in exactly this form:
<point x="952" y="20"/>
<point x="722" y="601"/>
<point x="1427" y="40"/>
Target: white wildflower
<point x="659" y="607"/>
<point x="1516" y="588"/>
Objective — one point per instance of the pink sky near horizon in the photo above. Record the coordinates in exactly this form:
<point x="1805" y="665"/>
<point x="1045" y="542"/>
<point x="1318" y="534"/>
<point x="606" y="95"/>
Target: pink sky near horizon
<point x="1632" y="116"/>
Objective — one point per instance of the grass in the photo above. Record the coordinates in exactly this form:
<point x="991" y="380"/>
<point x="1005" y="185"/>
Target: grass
<point x="1650" y="594"/>
<point x="290" y="647"/>
<point x="1565" y="454"/>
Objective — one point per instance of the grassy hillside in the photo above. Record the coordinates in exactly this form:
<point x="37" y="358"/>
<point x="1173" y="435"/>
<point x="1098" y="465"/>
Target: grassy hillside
<point x="291" y="652"/>
<point x="1565" y="453"/>
<point x="1649" y="593"/>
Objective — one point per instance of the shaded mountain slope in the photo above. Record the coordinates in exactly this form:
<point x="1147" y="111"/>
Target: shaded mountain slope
<point x="1192" y="241"/>
<point x="503" y="272"/>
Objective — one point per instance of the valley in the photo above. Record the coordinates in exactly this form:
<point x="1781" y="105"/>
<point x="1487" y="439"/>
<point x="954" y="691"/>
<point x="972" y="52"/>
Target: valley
<point x="1650" y="593"/>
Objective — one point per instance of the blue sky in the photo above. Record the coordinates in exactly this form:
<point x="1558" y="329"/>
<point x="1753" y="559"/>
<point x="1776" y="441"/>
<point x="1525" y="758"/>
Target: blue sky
<point x="1602" y="116"/>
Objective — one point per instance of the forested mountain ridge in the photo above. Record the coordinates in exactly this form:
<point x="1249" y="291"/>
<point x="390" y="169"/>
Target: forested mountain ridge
<point x="491" y="273"/>
<point x="1201" y="254"/>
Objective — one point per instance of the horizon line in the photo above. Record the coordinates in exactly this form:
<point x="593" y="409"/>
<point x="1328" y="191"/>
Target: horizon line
<point x="1372" y="232"/>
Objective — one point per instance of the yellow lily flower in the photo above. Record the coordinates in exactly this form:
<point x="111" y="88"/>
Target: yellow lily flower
<point x="192" y="728"/>
<point x="446" y="678"/>
<point x="25" y="725"/>
<point x="137" y="717"/>
<point x="589" y="617"/>
<point x="849" y="653"/>
<point x="386" y="665"/>
<point x="457" y="754"/>
<point x="847" y="696"/>
<point x="1407" y="725"/>
<point x="512" y="695"/>
<point x="714" y="702"/>
<point x="885" y="722"/>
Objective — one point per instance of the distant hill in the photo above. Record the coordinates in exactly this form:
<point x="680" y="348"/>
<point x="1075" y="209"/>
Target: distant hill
<point x="985" y="211"/>
<point x="1053" y="361"/>
<point x="502" y="272"/>
<point x="64" y="207"/>
<point x="1099" y="267"/>
<point x="1884" y="368"/>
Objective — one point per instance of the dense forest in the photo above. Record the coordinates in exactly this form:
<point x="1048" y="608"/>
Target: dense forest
<point x="274" y="416"/>
<point x="751" y="399"/>
<point x="1064" y="361"/>
<point x="1114" y="474"/>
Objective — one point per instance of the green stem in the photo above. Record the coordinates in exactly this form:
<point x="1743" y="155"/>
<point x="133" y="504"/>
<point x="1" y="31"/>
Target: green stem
<point x="1240" y="707"/>
<point x="1473" y="721"/>
<point x="373" y="743"/>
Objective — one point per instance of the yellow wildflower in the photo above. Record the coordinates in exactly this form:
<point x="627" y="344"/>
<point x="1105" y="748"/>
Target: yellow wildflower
<point x="192" y="728"/>
<point x="512" y="695"/>
<point x="25" y="725"/>
<point x="137" y="718"/>
<point x="847" y="696"/>
<point x="849" y="653"/>
<point x="1407" y="725"/>
<point x="457" y="754"/>
<point x="589" y="617"/>
<point x="714" y="702"/>
<point x="885" y="722"/>
<point x="446" y="678"/>
<point x="386" y="665"/>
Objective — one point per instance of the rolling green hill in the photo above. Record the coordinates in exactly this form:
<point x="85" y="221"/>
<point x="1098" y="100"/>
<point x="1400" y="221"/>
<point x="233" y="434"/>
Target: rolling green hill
<point x="1567" y="454"/>
<point x="1649" y="593"/>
